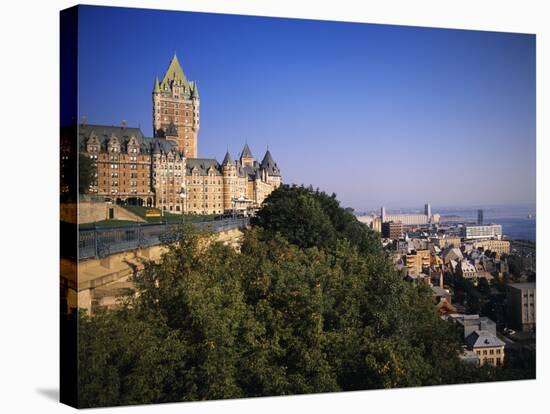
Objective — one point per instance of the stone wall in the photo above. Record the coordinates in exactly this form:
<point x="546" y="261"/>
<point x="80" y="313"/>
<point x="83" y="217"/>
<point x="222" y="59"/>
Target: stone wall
<point x="91" y="211"/>
<point x="97" y="283"/>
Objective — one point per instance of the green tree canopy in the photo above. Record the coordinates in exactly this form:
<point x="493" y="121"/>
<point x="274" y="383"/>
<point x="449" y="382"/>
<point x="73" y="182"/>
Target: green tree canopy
<point x="86" y="173"/>
<point x="312" y="218"/>
<point x="293" y="312"/>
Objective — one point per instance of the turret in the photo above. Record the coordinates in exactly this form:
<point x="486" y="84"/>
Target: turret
<point x="229" y="173"/>
<point x="227" y="160"/>
<point x="247" y="159"/>
<point x="270" y="165"/>
<point x="271" y="170"/>
<point x="156" y="87"/>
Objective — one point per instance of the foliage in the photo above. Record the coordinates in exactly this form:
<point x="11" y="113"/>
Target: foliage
<point x="313" y="309"/>
<point x="312" y="218"/>
<point x="86" y="173"/>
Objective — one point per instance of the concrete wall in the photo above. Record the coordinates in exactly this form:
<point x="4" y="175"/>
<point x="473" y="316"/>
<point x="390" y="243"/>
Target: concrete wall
<point x="97" y="283"/>
<point x="90" y="211"/>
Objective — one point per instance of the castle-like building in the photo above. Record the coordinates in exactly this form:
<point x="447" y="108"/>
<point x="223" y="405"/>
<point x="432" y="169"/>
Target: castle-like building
<point x="164" y="171"/>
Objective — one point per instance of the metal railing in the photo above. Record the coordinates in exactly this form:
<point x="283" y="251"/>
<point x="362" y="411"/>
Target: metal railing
<point x="102" y="242"/>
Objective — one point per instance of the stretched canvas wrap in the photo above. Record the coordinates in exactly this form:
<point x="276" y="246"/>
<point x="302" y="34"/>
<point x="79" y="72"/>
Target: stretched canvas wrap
<point x="256" y="206"/>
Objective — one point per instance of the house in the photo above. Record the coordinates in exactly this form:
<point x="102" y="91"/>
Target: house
<point x="487" y="347"/>
<point x="466" y="270"/>
<point x="450" y="254"/>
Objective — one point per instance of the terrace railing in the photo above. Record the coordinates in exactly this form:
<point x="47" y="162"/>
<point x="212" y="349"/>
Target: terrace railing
<point x="102" y="241"/>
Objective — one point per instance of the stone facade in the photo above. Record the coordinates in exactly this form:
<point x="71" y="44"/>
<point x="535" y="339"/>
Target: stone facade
<point x="498" y="246"/>
<point x="417" y="262"/>
<point x="164" y="171"/>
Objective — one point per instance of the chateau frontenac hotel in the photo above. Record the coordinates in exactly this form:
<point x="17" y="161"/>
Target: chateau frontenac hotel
<point x="164" y="171"/>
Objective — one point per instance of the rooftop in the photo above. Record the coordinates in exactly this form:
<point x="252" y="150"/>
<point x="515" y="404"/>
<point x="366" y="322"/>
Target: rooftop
<point x="483" y="339"/>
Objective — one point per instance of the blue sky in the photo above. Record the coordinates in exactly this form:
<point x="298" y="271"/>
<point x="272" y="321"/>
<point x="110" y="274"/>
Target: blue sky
<point x="378" y="114"/>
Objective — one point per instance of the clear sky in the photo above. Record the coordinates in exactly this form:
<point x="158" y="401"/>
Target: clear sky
<point x="378" y="114"/>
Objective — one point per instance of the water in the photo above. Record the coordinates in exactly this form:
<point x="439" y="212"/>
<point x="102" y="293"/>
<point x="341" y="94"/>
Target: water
<point x="514" y="219"/>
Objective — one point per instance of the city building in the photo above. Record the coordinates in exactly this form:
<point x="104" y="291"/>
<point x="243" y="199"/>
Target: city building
<point x="376" y="224"/>
<point x="497" y="246"/>
<point x="521" y="306"/>
<point x="469" y="356"/>
<point x="411" y="219"/>
<point x="446" y="242"/>
<point x="486" y="345"/>
<point x="483" y="231"/>
<point x="479" y="217"/>
<point x="164" y="171"/>
<point x="428" y="210"/>
<point x="392" y="230"/>
<point x="450" y="254"/>
<point x="472" y="323"/>
<point x="467" y="270"/>
<point x="418" y="261"/>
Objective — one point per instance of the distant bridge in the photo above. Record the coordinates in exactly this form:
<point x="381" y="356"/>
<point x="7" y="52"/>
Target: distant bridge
<point x="101" y="242"/>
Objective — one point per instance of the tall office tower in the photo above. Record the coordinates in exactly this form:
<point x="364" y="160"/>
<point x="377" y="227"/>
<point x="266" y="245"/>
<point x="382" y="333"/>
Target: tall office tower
<point x="428" y="210"/>
<point x="383" y="214"/>
<point x="480" y="216"/>
<point x="176" y="109"/>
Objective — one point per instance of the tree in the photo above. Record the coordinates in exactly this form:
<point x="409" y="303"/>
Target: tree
<point x="86" y="173"/>
<point x="309" y="218"/>
<point x="292" y="312"/>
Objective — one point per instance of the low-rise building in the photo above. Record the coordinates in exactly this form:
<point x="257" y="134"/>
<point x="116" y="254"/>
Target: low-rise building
<point x="472" y="323"/>
<point x="446" y="242"/>
<point x="419" y="278"/>
<point x="467" y="270"/>
<point x="480" y="337"/>
<point x="450" y="254"/>
<point x="521" y="306"/>
<point x="482" y="232"/>
<point x="498" y="246"/>
<point x="417" y="261"/>
<point x="392" y="230"/>
<point x="487" y="346"/>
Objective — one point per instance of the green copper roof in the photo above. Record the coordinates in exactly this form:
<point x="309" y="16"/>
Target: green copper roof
<point x="156" y="88"/>
<point x="194" y="89"/>
<point x="174" y="72"/>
